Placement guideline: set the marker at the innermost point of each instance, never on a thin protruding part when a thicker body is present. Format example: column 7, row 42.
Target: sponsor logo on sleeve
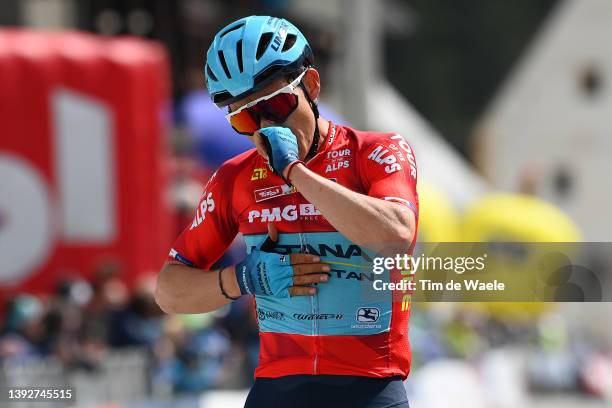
column 175, row 255
column 403, row 144
column 402, row 201
column 387, row 156
column 207, row 205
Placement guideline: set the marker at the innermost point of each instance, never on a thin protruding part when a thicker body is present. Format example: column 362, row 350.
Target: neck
column 315, row 145
column 323, row 125
column 323, row 128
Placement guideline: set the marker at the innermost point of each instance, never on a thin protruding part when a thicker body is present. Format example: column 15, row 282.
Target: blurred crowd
column 82, row 322
column 505, row 352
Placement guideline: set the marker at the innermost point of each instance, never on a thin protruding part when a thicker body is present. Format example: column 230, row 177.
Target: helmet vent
column 223, row 64
column 239, row 54
column 229, row 30
column 289, row 42
column 264, row 41
column 210, row 73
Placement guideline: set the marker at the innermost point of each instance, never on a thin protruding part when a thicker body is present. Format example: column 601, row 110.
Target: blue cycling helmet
column 250, row 53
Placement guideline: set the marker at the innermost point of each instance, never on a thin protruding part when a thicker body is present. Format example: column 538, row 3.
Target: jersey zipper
column 314, row 300
column 315, row 328
column 314, row 306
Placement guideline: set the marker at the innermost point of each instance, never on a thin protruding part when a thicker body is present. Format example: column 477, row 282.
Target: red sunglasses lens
column 278, row 108
column 244, row 122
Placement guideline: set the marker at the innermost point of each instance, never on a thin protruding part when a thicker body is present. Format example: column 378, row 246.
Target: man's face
column 301, row 121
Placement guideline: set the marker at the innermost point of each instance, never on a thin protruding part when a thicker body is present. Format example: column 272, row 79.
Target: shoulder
column 222, row 184
column 367, row 142
column 232, row 169
column 384, row 152
column 370, row 139
column 218, row 192
column 242, row 161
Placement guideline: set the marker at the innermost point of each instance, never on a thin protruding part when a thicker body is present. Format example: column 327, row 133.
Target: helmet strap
column 314, row 145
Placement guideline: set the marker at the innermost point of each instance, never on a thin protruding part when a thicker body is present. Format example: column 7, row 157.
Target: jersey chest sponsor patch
column 337, row 160
column 292, row 212
column 268, row 193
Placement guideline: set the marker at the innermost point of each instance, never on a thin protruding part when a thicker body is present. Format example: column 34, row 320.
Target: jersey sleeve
column 213, row 227
column 389, row 170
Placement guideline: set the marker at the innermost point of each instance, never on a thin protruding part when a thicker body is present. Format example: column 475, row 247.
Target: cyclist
column 315, row 202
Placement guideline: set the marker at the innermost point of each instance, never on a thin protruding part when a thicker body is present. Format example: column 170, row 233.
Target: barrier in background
column 121, row 376
column 82, row 156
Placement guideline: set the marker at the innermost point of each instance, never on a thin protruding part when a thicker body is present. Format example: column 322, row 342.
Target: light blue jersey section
column 346, row 305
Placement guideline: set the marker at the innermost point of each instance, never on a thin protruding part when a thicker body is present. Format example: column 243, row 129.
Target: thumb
column 272, row 232
column 267, row 147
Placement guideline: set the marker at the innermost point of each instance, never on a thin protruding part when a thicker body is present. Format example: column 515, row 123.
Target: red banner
column 83, row 178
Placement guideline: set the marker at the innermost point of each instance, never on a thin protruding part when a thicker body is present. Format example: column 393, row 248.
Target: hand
column 270, row 274
column 281, row 147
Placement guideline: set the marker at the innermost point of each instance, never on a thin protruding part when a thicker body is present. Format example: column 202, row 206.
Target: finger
column 267, row 147
column 261, row 148
column 272, row 232
column 303, row 258
column 304, row 269
column 302, row 291
column 310, row 279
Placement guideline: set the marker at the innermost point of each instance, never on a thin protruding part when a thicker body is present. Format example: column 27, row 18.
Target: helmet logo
column 279, row 37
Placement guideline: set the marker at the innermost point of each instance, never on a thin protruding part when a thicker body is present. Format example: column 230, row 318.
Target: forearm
column 364, row 220
column 182, row 289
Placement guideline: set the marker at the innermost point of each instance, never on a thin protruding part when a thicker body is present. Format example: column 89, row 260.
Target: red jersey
column 347, row 328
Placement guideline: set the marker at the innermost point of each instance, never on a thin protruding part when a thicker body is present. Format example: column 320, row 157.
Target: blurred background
column 108, row 136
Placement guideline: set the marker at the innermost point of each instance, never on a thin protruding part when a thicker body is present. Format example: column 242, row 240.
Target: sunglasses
column 276, row 107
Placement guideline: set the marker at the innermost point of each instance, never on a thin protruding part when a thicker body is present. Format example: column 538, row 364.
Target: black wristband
column 223, row 292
